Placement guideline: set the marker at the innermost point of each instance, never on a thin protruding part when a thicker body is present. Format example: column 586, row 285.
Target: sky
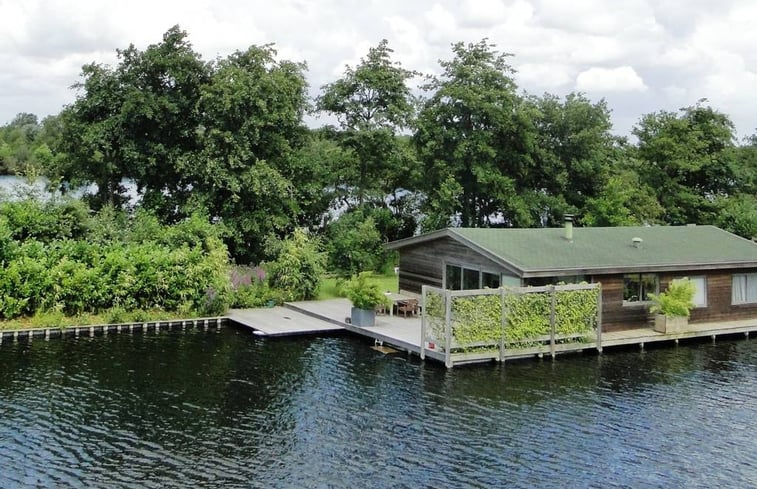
column 640, row 56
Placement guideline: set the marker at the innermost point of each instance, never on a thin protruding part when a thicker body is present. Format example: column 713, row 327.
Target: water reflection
column 207, row 409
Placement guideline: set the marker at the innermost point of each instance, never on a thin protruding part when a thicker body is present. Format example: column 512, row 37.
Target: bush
column 677, row 301
column 354, row 245
column 299, row 267
column 364, row 295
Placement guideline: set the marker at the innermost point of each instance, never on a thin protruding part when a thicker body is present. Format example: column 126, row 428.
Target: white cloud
column 620, row 79
column 685, row 49
column 482, row 13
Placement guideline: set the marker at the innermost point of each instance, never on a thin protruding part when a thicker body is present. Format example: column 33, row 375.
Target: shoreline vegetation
column 64, row 265
column 204, row 189
column 331, row 287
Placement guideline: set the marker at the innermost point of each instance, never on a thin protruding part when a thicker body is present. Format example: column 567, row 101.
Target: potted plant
column 673, row 307
column 364, row 297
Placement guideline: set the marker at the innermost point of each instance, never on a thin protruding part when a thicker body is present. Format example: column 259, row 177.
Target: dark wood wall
column 423, row 264
column 616, row 316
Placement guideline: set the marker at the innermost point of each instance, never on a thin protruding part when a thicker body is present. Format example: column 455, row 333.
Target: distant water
column 12, row 187
column 227, row 409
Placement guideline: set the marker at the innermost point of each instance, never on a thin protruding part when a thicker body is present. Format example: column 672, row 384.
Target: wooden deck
column 312, row 317
column 281, row 321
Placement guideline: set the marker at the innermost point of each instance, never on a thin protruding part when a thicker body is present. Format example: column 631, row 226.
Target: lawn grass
column 332, row 287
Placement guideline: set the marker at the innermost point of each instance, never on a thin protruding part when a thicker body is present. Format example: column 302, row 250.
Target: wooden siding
column 617, row 316
column 424, row 263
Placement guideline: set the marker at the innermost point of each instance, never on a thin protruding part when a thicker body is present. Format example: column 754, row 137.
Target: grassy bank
column 333, row 287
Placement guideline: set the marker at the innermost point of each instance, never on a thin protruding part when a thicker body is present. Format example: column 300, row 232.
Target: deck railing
column 466, row 325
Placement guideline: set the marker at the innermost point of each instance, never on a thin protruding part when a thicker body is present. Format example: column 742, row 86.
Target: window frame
column 703, row 278
column 469, row 268
column 747, row 301
column 640, row 276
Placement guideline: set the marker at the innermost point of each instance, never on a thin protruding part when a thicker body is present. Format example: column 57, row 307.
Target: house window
column 700, row 295
column 744, row 288
column 461, row 278
column 638, row 286
column 490, row 280
column 454, row 277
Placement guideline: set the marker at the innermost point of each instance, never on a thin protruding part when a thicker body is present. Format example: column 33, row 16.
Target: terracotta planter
column 670, row 324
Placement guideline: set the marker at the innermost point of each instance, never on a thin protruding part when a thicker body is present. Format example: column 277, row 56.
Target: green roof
column 544, row 251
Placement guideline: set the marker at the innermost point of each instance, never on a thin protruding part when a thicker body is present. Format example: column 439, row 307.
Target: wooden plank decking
column 312, row 317
column 281, row 321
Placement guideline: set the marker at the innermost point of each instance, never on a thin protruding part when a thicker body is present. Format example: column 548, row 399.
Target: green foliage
column 687, row 158
column 25, row 142
column 473, row 129
column 299, row 267
column 477, row 320
column 676, row 301
column 45, row 221
column 738, row 214
column 364, row 294
column 182, row 268
column 354, row 245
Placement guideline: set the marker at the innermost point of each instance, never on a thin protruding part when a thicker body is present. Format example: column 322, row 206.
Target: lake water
column 11, row 187
column 227, row 409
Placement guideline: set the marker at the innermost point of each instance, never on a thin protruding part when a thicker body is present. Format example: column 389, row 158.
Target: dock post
column 713, row 339
column 503, row 323
column 424, row 291
column 448, row 329
column 599, row 318
column 553, row 299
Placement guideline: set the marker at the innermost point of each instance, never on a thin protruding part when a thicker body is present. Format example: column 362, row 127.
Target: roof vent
column 637, row 242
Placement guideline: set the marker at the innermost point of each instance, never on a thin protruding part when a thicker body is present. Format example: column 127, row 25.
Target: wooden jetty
column 282, row 321
column 404, row 334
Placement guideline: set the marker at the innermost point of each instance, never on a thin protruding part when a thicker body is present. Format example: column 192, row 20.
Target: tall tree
column 137, row 121
column 474, row 138
column 572, row 155
column 251, row 129
column 688, row 159
column 373, row 104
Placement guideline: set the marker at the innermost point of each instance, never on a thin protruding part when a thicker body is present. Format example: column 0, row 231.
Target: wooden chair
column 408, row 306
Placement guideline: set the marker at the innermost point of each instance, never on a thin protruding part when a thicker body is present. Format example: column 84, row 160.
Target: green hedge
column 478, row 319
column 76, row 277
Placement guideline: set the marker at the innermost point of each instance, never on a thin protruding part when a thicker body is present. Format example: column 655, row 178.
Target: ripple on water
column 231, row 410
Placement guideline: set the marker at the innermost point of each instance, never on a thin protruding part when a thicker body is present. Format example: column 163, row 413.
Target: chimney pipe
column 568, row 227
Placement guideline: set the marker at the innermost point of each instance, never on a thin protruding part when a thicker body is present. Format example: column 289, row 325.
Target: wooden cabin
column 629, row 262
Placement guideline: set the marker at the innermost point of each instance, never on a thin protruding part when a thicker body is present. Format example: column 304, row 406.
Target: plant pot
column 363, row 317
column 670, row 324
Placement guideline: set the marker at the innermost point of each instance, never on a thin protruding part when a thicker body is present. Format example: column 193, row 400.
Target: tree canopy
column 227, row 138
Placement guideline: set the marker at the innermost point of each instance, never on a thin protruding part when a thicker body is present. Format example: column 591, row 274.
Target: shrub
column 299, row 267
column 364, row 295
column 677, row 301
column 354, row 245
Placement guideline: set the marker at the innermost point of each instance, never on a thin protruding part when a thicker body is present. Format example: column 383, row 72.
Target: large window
column 744, row 288
column 454, row 277
column 638, row 286
column 463, row 278
column 700, row 295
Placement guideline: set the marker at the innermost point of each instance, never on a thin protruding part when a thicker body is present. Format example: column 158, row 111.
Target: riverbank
column 92, row 330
